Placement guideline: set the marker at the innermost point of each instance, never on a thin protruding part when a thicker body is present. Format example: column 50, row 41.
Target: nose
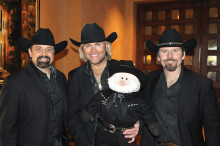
column 43, row 52
column 122, row 82
column 94, row 49
column 170, row 54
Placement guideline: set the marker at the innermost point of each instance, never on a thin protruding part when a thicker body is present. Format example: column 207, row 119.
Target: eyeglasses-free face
column 42, row 55
column 171, row 57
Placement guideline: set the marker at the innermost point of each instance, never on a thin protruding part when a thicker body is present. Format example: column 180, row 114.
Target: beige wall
column 109, row 14
column 66, row 19
column 63, row 17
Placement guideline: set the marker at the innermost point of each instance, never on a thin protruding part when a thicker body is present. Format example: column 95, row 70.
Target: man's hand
column 132, row 133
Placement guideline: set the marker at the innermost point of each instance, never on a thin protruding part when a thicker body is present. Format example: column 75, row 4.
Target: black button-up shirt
column 56, row 105
column 166, row 109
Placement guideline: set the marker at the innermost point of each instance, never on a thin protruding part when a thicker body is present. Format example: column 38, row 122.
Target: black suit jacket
column 80, row 91
column 24, row 109
column 197, row 107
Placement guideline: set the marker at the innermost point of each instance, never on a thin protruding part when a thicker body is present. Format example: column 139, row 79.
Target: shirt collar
column 88, row 69
column 180, row 76
column 42, row 74
column 163, row 82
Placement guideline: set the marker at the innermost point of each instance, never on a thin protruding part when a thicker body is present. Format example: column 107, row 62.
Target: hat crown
column 43, row 37
column 170, row 36
column 92, row 33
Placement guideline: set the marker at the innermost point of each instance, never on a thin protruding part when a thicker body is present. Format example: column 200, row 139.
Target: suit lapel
column 62, row 84
column 87, row 82
column 36, row 80
column 185, row 96
column 152, row 82
column 85, row 79
column 63, row 87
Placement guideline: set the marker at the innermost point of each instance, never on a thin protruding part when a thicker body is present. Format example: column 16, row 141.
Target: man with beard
column 33, row 100
column 183, row 101
column 85, row 81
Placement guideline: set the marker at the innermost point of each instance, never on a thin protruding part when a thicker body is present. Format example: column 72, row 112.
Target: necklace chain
column 97, row 73
column 98, row 79
column 99, row 82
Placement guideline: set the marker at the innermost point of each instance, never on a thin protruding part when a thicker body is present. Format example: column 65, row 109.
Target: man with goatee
column 183, row 101
column 33, row 100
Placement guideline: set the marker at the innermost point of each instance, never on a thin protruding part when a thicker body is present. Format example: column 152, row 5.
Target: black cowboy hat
column 128, row 67
column 41, row 37
column 94, row 33
column 171, row 38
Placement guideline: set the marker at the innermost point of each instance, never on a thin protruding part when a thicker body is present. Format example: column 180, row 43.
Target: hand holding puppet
column 120, row 107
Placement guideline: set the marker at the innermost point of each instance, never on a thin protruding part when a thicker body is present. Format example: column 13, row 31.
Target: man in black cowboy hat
column 33, row 101
column 85, row 81
column 183, row 101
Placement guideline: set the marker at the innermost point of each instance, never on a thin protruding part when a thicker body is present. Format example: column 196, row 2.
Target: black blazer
column 24, row 109
column 80, row 91
column 197, row 107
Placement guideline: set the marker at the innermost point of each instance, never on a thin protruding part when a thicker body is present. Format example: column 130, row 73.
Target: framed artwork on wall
column 37, row 26
column 17, row 18
column 30, row 23
column 30, row 17
column 0, row 20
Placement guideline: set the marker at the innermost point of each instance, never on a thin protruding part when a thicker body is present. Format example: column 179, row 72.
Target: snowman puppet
column 120, row 107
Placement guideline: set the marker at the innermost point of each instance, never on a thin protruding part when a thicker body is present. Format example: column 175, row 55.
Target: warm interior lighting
column 203, row 132
column 148, row 58
column 211, row 60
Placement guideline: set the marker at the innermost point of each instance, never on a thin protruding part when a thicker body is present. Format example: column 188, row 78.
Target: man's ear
column 183, row 55
column 29, row 52
column 158, row 58
column 158, row 55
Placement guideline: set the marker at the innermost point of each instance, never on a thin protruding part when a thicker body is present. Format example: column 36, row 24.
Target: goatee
column 169, row 67
column 43, row 64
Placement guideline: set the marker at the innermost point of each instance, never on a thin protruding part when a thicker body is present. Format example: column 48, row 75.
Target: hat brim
column 25, row 44
column 188, row 45
column 111, row 38
column 152, row 46
column 75, row 42
column 60, row 46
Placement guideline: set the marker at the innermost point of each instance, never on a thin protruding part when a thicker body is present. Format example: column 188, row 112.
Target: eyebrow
column 50, row 47
column 173, row 48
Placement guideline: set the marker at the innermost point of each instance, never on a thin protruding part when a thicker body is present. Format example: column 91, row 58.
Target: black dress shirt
column 56, row 104
column 165, row 102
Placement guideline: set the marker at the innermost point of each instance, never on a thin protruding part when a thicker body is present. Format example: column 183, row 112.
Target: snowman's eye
column 126, row 78
column 121, row 77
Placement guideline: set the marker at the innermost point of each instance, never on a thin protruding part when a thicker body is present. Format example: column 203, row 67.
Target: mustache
column 43, row 57
column 170, row 60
